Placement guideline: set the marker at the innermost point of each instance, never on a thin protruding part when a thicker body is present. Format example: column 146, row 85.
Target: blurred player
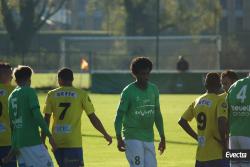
column 5, row 130
column 210, row 112
column 26, row 118
column 227, row 79
column 67, row 103
column 139, row 109
column 239, row 118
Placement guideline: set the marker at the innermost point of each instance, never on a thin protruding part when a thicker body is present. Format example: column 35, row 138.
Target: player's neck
column 142, row 86
column 213, row 91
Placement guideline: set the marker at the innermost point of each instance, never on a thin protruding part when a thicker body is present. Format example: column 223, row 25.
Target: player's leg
column 217, row 163
column 37, row 156
column 149, row 154
column 244, row 143
column 234, row 145
column 4, row 150
column 135, row 153
column 73, row 157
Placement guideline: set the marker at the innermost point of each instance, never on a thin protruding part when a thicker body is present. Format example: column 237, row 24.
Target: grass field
column 180, row 150
column 40, row 80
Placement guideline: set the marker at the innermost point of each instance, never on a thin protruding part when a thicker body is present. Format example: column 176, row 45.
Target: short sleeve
column 87, row 104
column 33, row 100
column 189, row 113
column 124, row 102
column 47, row 109
column 157, row 99
column 222, row 108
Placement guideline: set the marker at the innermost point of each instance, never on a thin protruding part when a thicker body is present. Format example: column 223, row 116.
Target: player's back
column 239, row 107
column 66, row 104
column 5, row 131
column 22, row 103
column 205, row 113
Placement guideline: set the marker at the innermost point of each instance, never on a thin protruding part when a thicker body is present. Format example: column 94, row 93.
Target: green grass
column 180, row 151
column 40, row 80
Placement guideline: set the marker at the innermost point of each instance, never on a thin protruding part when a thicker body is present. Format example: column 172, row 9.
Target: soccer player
column 227, row 79
column 26, row 118
column 210, row 112
column 66, row 104
column 138, row 111
column 5, row 130
column 239, row 118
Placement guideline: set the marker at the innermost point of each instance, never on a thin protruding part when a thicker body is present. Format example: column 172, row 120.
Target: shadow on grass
column 168, row 141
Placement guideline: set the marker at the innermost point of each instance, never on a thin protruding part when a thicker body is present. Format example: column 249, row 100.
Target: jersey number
column 65, row 106
column 1, row 109
column 202, row 121
column 242, row 94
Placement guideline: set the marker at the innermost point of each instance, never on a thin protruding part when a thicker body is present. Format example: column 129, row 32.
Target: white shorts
column 140, row 154
column 239, row 143
column 34, row 156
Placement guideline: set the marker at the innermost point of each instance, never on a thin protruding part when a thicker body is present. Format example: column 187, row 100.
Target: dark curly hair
column 140, row 63
column 212, row 81
column 65, row 74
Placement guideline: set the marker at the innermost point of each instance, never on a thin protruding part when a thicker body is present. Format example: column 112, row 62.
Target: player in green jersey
column 138, row 111
column 227, row 79
column 239, row 118
column 5, row 130
column 66, row 105
column 25, row 119
column 210, row 112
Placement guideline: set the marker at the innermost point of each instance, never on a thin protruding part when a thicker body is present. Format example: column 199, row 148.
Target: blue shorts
column 72, row 157
column 4, row 150
column 213, row 163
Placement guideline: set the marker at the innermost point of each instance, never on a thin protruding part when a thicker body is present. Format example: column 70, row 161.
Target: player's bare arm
column 95, row 121
column 162, row 145
column 222, row 125
column 185, row 125
column 47, row 120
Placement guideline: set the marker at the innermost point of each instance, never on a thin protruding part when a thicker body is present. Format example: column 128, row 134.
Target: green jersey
column 25, row 118
column 239, row 108
column 139, row 110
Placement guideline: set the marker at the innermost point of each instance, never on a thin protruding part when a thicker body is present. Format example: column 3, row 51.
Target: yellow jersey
column 5, row 130
column 66, row 104
column 206, row 109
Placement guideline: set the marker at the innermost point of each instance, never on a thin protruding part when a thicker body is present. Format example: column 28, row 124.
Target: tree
column 23, row 18
column 182, row 16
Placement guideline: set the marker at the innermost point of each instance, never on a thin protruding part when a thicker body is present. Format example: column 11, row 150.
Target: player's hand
column 121, row 145
column 52, row 143
column 162, row 145
column 108, row 138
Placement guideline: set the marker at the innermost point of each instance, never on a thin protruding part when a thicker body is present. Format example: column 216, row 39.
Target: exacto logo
column 237, row 154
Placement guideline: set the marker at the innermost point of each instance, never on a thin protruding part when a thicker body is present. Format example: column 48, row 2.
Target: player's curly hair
column 5, row 66
column 140, row 63
column 212, row 81
column 23, row 73
column 65, row 74
column 230, row 74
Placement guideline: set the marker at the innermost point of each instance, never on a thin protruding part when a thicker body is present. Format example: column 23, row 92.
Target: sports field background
column 180, row 151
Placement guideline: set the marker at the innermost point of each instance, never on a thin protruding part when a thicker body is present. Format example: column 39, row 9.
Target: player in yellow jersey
column 5, row 130
column 211, row 118
column 66, row 104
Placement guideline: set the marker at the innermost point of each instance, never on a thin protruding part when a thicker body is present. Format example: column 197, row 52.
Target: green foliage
column 114, row 14
column 138, row 17
column 22, row 19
